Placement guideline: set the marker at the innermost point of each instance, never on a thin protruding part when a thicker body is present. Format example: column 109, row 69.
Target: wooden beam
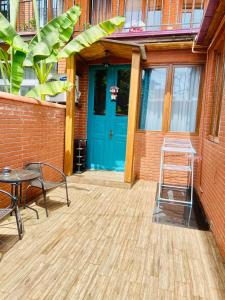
column 70, row 111
column 132, row 115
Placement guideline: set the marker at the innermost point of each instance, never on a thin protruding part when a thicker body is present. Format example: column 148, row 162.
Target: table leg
column 26, row 205
column 17, row 187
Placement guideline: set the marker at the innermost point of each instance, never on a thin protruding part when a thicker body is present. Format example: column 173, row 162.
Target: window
column 218, row 91
column 192, row 13
column 154, row 15
column 43, row 12
column 133, row 15
column 170, row 98
column 186, row 82
column 4, row 8
column 142, row 15
column 29, row 80
column 57, row 8
column 100, row 10
column 153, row 91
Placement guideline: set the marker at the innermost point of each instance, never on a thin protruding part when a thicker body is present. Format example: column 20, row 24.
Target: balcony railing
column 141, row 15
column 145, row 15
column 26, row 21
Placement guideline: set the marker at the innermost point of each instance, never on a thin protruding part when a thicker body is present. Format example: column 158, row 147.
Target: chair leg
column 19, row 223
column 45, row 202
column 67, row 195
column 25, row 197
column 26, row 205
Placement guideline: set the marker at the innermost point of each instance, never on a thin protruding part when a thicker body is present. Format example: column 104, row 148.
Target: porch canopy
column 108, row 49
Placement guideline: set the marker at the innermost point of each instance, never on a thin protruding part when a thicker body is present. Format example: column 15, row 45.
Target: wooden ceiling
column 113, row 48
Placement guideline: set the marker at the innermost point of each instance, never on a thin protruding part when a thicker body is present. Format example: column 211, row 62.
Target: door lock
column 110, row 134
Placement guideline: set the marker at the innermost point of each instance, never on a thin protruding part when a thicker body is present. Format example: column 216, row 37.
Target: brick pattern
column 30, row 131
column 211, row 185
column 81, row 109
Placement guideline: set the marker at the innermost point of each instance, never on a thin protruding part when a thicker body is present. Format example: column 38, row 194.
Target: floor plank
column 105, row 246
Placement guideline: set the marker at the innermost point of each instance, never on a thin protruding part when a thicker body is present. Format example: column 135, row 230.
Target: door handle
column 110, row 134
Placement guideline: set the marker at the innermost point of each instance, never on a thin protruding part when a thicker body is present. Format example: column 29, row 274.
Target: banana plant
column 52, row 43
column 11, row 61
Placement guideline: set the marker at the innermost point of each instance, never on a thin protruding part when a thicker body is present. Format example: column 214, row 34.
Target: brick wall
column 211, row 186
column 30, row 131
column 147, row 156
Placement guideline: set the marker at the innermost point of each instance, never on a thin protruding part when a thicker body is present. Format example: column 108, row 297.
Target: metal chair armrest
column 56, row 169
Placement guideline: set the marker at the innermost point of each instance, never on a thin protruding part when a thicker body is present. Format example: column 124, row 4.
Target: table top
column 18, row 176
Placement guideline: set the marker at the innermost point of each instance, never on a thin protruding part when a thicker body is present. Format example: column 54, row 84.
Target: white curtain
column 185, row 98
column 153, row 92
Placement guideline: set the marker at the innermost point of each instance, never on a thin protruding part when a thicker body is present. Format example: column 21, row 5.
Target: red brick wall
column 147, row 156
column 211, row 187
column 30, row 131
column 82, row 107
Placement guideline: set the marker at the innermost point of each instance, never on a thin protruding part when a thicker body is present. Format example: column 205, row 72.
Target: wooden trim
column 49, row 10
column 200, row 100
column 132, row 115
column 70, row 111
column 168, row 100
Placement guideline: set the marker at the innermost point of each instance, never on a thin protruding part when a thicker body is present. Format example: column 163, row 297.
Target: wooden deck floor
column 105, row 246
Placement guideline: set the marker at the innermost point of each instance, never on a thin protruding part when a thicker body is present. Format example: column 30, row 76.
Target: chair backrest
column 37, row 167
column 2, row 202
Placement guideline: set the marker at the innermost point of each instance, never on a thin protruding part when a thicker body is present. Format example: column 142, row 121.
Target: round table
column 16, row 179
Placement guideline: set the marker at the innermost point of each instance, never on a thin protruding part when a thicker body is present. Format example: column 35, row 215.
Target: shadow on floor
column 180, row 215
column 7, row 241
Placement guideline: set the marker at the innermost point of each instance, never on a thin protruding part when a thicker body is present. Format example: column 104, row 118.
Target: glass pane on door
column 122, row 101
column 100, row 92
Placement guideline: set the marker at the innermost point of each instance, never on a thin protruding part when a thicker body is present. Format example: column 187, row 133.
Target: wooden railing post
column 70, row 111
column 132, row 115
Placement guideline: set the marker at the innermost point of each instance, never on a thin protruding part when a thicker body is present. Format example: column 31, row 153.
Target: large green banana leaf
column 50, row 88
column 45, row 47
column 14, row 6
column 63, row 25
column 5, row 66
column 17, row 71
column 10, row 36
column 90, row 36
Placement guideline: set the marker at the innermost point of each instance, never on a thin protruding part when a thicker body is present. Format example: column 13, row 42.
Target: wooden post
column 132, row 115
column 70, row 111
column 50, row 10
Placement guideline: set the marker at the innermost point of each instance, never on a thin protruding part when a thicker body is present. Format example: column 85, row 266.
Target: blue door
column 107, row 119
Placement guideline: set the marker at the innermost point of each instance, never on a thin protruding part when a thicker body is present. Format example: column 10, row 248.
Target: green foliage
column 50, row 88
column 50, row 44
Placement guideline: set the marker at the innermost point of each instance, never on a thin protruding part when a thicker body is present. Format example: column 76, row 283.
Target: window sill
column 179, row 133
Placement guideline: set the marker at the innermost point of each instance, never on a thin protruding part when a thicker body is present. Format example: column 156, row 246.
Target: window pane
column 218, row 92
column 185, row 99
column 100, row 92
column 153, row 91
column 123, row 83
column 25, row 89
column 133, row 15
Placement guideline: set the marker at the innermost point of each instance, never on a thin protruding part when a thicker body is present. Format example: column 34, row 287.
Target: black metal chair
column 43, row 184
column 8, row 210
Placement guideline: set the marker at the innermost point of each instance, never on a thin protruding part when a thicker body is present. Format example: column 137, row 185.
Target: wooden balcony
column 48, row 9
column 141, row 15
column 145, row 15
